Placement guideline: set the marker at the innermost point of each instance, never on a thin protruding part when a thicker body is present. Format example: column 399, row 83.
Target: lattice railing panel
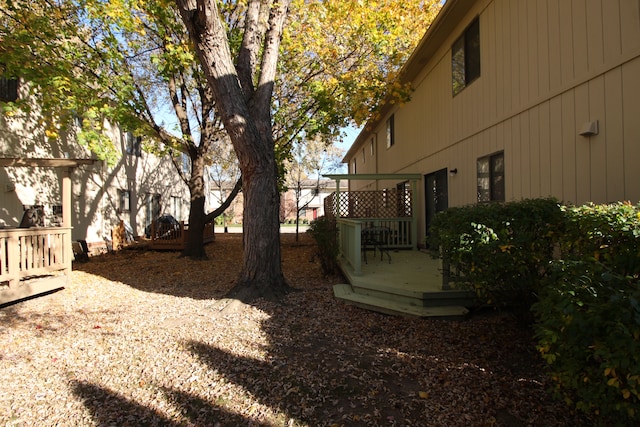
column 369, row 204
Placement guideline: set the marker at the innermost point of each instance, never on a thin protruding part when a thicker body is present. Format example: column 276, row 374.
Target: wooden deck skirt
column 33, row 260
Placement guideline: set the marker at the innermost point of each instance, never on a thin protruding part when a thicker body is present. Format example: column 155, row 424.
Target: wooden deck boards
column 411, row 284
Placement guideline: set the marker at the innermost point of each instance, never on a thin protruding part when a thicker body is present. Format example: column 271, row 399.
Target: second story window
column 133, row 144
column 186, row 163
column 465, row 57
column 8, row 89
column 390, row 132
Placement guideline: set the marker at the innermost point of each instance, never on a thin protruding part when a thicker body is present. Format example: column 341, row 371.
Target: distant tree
column 127, row 62
column 306, row 164
column 223, row 173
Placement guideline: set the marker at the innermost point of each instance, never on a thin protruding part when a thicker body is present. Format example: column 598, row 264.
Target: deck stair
column 411, row 285
column 399, row 304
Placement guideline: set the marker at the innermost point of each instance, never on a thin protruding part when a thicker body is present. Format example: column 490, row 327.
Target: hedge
column 588, row 326
column 500, row 250
column 574, row 272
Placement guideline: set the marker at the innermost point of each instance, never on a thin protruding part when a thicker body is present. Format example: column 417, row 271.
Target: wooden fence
column 171, row 237
column 27, row 254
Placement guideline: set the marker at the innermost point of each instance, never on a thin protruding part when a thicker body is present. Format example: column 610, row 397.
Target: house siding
column 547, row 67
column 95, row 199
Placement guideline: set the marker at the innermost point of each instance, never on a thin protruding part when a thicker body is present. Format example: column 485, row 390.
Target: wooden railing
column 31, row 252
column 169, row 237
column 399, row 236
column 400, row 231
column 350, row 235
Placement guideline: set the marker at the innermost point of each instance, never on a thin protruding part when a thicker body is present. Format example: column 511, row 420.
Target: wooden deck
column 175, row 239
column 411, row 285
column 33, row 261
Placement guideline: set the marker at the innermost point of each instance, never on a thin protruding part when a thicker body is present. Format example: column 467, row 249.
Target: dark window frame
column 491, row 178
column 9, row 89
column 391, row 130
column 124, row 201
column 465, row 57
column 133, row 144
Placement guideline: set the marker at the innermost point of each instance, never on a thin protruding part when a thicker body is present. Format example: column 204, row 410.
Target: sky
column 351, row 135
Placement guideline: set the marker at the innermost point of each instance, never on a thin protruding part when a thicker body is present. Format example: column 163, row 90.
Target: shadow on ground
column 325, row 363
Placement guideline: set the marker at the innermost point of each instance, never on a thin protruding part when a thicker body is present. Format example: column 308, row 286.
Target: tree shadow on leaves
column 110, row 409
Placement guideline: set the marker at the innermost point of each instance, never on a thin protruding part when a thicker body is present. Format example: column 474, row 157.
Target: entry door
column 436, row 194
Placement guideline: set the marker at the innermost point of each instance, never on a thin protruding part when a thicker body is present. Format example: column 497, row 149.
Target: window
column 133, row 144
column 364, row 157
column 353, row 167
column 56, row 212
column 124, row 201
column 186, row 163
column 491, row 178
column 371, row 145
column 390, row 132
column 152, row 207
column 465, row 57
column 8, row 89
column 176, row 207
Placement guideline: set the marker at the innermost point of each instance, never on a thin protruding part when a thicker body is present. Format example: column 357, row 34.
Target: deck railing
column 390, row 209
column 170, row 237
column 350, row 235
column 31, row 252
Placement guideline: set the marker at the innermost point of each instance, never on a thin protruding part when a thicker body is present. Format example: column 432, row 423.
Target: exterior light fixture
column 453, row 172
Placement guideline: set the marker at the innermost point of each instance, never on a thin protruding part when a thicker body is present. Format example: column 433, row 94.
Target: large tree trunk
column 261, row 274
column 245, row 112
column 194, row 247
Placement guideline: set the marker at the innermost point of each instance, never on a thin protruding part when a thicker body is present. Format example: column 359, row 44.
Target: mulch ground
column 142, row 338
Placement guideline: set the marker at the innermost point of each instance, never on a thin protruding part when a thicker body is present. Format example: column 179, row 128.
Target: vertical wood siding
column 547, row 67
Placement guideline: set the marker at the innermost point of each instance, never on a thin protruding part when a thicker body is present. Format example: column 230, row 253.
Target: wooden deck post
column 13, row 260
column 414, row 213
column 66, row 218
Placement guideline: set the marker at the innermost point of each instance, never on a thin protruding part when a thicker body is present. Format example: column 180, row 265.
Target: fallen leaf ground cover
column 142, row 338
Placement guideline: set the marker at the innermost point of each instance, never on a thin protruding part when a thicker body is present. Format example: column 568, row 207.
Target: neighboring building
column 217, row 193
column 136, row 190
column 512, row 100
column 311, row 195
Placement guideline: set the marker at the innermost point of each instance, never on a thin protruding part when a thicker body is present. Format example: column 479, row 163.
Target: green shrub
column 579, row 269
column 588, row 327
column 588, row 331
column 325, row 232
column 501, row 250
column 609, row 234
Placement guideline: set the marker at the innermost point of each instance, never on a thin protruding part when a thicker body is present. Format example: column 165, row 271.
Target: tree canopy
column 340, row 60
column 274, row 73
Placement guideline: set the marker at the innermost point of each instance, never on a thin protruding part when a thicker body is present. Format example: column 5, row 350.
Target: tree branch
column 223, row 207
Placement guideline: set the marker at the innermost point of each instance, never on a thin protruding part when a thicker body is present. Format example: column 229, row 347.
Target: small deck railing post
column 14, row 259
